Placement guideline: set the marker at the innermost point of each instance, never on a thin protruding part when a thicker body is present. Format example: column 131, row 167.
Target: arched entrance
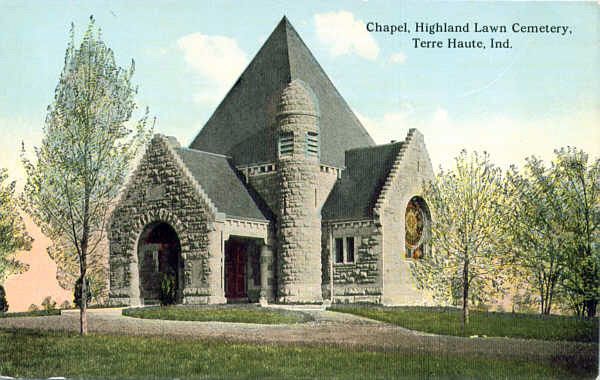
column 159, row 258
column 417, row 226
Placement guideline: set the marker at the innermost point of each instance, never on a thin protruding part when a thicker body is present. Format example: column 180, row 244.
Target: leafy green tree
column 3, row 302
column 13, row 234
column 467, row 232
column 538, row 216
column 48, row 304
column 579, row 189
column 88, row 145
column 67, row 267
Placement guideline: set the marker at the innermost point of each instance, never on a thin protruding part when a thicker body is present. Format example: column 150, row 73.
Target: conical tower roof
column 242, row 126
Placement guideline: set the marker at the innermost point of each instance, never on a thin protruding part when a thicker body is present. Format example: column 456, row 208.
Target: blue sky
column 541, row 94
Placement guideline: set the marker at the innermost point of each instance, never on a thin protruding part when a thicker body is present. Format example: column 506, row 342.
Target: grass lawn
column 221, row 313
column 41, row 355
column 447, row 321
column 37, row 313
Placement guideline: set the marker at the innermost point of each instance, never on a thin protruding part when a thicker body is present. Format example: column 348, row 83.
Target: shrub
column 65, row 305
column 33, row 307
column 48, row 304
column 77, row 293
column 168, row 289
column 3, row 303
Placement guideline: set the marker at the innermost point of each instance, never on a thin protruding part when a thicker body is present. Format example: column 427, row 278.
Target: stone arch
column 417, row 228
column 138, row 229
column 159, row 255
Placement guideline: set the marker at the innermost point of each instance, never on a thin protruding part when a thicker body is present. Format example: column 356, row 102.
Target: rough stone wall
column 160, row 191
column 409, row 172
column 360, row 281
column 299, row 223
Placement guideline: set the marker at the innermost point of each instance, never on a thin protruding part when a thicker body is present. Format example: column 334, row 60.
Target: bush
column 77, row 293
column 33, row 307
column 168, row 289
column 48, row 304
column 3, row 303
column 65, row 305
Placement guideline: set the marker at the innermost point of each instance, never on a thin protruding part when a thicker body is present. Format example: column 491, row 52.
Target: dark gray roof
column 354, row 195
column 242, row 125
column 221, row 183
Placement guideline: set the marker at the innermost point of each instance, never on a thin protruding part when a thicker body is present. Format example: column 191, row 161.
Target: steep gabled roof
column 221, row 183
column 243, row 124
column 354, row 195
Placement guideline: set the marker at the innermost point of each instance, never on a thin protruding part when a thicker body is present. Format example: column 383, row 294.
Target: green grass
column 221, row 313
column 41, row 355
column 37, row 313
column 447, row 321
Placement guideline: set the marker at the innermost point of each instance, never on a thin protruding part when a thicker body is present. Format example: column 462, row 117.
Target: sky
column 542, row 93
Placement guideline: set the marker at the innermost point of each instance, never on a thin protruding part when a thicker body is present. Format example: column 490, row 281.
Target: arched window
column 417, row 226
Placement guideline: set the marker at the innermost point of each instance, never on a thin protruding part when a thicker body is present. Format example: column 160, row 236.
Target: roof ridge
column 375, row 146
column 204, row 152
column 240, row 126
column 318, row 64
column 393, row 174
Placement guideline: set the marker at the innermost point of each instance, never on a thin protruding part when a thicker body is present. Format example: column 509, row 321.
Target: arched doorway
column 417, row 226
column 159, row 257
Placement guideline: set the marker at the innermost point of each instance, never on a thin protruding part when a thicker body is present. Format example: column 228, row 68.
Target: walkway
column 328, row 328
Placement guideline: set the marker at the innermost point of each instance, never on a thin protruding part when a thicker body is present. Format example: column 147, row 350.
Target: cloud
column 342, row 34
column 398, row 58
column 509, row 140
column 217, row 60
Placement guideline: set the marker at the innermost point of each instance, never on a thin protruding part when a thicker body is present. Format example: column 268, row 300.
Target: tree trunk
column 83, row 325
column 465, row 316
column 590, row 308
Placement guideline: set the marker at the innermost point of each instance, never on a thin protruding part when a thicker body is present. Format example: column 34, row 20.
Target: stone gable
column 160, row 191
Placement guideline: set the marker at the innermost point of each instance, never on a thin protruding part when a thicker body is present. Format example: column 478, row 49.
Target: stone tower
column 299, row 222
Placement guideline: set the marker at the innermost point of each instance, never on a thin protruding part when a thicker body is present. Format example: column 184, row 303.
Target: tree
column 579, row 189
column 13, row 234
column 86, row 151
column 67, row 267
column 3, row 302
column 538, row 217
column 467, row 232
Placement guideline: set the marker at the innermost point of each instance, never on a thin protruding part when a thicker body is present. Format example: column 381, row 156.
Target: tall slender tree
column 538, row 217
column 467, row 232
column 88, row 145
column 579, row 189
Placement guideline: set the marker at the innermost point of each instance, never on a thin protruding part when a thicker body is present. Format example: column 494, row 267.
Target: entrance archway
column 159, row 256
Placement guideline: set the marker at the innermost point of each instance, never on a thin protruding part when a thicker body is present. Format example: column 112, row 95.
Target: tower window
column 286, row 144
column 312, row 144
column 339, row 250
column 350, row 249
column 345, row 250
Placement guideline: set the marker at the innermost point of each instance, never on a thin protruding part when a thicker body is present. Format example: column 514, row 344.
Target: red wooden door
column 235, row 275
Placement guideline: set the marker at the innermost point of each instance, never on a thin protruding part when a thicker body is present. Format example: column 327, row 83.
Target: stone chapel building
column 282, row 197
